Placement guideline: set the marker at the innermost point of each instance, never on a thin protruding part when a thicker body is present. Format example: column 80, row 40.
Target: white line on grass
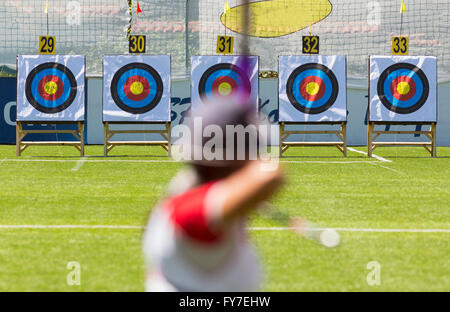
column 378, row 165
column 373, row 155
column 355, row 230
column 136, row 227
column 86, row 160
column 79, row 164
column 92, row 160
column 115, row 227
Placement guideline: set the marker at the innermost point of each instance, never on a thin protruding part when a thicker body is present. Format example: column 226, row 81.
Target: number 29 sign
column 46, row 45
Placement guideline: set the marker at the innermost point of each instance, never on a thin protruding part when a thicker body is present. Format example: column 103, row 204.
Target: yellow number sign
column 46, row 45
column 225, row 45
column 137, row 44
column 400, row 46
column 311, row 44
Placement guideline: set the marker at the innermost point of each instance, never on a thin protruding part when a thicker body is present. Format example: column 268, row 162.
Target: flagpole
column 401, row 24
column 402, row 9
column 46, row 12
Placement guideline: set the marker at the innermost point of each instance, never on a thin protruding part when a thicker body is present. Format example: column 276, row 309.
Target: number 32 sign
column 310, row 44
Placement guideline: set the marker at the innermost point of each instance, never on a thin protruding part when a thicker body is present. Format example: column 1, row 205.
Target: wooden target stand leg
column 373, row 134
column 109, row 133
column 341, row 133
column 23, row 145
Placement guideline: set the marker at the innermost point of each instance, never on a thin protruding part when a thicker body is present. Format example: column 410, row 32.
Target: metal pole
column 186, row 24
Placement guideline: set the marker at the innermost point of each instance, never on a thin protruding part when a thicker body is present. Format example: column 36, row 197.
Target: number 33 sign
column 400, row 45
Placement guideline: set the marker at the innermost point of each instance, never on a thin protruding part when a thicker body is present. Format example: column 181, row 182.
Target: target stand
column 23, row 145
column 50, row 91
column 402, row 91
column 373, row 134
column 136, row 91
column 109, row 145
column 312, row 91
column 341, row 133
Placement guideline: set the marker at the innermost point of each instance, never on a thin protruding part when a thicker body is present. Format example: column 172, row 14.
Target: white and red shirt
column 184, row 252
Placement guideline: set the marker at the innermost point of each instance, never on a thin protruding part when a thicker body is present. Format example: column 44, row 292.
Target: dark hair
column 223, row 115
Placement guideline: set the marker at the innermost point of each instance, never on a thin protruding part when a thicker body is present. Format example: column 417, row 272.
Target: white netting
column 183, row 28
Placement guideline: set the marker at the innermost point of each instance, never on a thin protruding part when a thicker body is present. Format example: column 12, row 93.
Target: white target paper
column 403, row 89
column 220, row 78
column 50, row 88
column 312, row 88
column 136, row 88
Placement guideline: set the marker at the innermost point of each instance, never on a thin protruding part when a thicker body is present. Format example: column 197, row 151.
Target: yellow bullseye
column 312, row 88
column 403, row 88
column 51, row 88
column 137, row 88
column 225, row 89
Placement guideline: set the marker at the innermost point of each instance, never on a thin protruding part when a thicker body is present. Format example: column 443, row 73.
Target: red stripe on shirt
column 188, row 213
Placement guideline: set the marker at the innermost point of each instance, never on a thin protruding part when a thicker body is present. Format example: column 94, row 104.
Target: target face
column 312, row 88
column 51, row 88
column 224, row 82
column 137, row 88
column 403, row 88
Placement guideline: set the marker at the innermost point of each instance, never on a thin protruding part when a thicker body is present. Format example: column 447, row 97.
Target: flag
column 138, row 8
column 227, row 7
column 403, row 9
column 46, row 8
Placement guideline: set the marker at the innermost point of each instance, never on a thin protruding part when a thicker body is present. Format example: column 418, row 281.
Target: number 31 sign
column 225, row 45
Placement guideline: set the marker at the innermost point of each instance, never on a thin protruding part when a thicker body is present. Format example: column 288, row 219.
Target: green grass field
column 48, row 186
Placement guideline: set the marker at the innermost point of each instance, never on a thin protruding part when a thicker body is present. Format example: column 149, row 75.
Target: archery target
column 137, row 88
column 222, row 79
column 402, row 89
column 312, row 88
column 53, row 88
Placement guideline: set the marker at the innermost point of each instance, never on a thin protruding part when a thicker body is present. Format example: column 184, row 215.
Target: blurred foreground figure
column 196, row 238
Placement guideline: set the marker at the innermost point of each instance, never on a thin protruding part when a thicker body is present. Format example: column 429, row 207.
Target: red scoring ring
column 412, row 88
column 138, row 97
column 45, row 95
column 222, row 79
column 315, row 97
